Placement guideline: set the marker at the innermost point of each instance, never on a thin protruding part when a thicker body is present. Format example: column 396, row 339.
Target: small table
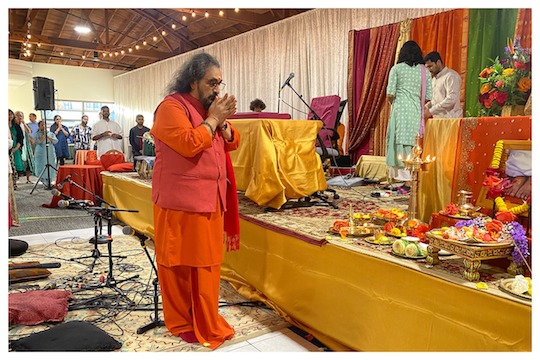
column 472, row 255
column 87, row 176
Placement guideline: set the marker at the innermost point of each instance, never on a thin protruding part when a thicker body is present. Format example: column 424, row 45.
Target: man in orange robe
column 189, row 191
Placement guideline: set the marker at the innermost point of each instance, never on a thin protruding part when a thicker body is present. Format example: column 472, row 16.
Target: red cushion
column 110, row 159
column 92, row 162
column 122, row 167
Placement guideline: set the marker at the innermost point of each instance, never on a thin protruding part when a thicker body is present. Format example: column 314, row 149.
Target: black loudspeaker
column 43, row 93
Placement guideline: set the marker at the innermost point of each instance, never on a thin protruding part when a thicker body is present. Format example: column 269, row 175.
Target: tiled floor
column 283, row 340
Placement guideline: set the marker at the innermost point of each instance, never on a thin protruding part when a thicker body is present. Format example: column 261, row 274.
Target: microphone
column 57, row 192
column 127, row 230
column 291, row 75
column 61, row 185
column 36, row 266
column 72, row 202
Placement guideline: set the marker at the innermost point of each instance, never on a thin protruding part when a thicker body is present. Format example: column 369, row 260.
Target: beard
column 207, row 101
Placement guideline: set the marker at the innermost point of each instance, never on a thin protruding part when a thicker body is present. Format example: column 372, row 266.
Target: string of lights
column 136, row 44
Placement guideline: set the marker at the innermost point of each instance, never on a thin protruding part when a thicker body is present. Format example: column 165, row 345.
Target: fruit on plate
column 399, row 247
column 411, row 250
column 383, row 240
column 392, row 214
column 520, row 285
column 397, row 232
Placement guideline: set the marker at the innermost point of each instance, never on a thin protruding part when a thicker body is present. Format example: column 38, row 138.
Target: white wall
column 75, row 83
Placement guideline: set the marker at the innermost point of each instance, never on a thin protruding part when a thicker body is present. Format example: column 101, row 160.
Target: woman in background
column 62, row 134
column 41, row 154
column 27, row 154
column 13, row 214
column 404, row 92
column 15, row 152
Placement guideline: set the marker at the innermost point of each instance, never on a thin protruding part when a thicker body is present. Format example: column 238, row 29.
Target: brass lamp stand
column 415, row 165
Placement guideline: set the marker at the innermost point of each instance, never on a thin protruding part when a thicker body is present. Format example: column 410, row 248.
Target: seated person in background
column 519, row 169
column 257, row 105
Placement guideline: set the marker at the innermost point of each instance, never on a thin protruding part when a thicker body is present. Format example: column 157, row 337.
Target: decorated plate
column 473, row 242
column 441, row 252
column 461, row 217
column 389, row 219
column 395, row 236
column 371, row 240
column 410, row 258
column 331, row 230
column 506, row 286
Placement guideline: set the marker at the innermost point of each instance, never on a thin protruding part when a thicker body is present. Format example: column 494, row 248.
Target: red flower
column 494, row 193
column 505, row 216
column 499, row 83
column 491, row 182
column 519, row 65
column 492, row 171
column 487, row 103
column 502, row 97
column 493, row 95
column 482, row 98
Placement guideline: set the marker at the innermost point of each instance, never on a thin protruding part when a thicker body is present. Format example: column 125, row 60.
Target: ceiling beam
column 86, row 14
column 243, row 16
column 212, row 29
column 85, row 45
column 107, row 26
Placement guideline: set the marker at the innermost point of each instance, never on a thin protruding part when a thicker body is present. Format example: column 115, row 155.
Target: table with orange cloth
column 83, row 155
column 464, row 150
column 276, row 160
column 87, row 176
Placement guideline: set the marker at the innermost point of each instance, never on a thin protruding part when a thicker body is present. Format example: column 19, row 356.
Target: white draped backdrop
column 313, row 45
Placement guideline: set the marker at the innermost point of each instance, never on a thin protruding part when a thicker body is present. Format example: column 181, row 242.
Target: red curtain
column 358, row 54
column 447, row 33
column 382, row 48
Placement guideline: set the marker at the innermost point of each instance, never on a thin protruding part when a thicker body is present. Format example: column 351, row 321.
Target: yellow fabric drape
column 351, row 300
column 133, row 196
column 435, row 189
column 277, row 161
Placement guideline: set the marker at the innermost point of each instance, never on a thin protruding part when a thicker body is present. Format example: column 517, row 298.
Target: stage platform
column 348, row 293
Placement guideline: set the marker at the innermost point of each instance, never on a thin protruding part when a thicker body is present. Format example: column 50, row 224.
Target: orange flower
column 505, row 216
column 524, row 84
column 485, row 73
column 494, row 226
column 485, row 88
column 492, row 182
column 508, row 72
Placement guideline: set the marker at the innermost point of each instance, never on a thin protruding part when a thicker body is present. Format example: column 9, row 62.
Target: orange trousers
column 190, row 297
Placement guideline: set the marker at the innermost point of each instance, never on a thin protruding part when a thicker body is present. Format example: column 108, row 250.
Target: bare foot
column 16, row 225
column 525, row 190
column 516, row 184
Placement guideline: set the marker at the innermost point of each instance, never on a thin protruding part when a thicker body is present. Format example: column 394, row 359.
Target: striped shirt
column 81, row 137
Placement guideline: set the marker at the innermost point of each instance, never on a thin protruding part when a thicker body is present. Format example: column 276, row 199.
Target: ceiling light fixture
column 220, row 12
column 193, row 14
column 144, row 42
column 82, row 29
column 137, row 47
column 206, row 14
column 154, row 38
column 122, row 52
column 184, row 18
column 173, row 26
column 39, row 44
column 84, row 57
column 236, row 10
column 61, row 53
column 130, row 49
column 163, row 33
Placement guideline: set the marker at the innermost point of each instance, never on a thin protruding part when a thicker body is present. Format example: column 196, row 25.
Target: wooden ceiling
column 126, row 39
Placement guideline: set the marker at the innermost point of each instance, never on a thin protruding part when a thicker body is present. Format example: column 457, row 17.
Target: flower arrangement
column 506, row 82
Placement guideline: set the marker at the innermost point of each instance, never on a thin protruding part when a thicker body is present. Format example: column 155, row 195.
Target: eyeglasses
column 214, row 84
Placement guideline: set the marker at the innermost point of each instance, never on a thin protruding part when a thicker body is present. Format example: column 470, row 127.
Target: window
column 72, row 111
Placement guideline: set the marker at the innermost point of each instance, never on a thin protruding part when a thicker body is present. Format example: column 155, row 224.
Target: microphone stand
column 317, row 194
column 47, row 165
column 98, row 238
column 155, row 322
column 110, row 281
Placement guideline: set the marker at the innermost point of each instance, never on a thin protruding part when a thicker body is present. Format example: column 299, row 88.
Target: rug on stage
column 247, row 321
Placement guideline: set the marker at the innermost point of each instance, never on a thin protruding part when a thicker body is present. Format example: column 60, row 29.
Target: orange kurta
column 189, row 245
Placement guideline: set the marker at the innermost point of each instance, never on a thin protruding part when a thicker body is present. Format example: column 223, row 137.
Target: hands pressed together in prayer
column 219, row 111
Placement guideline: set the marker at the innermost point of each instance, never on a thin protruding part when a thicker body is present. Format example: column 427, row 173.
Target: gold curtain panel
column 277, row 161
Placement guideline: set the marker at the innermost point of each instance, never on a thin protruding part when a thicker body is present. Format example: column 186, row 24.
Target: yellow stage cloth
column 435, row 187
column 372, row 167
column 351, row 300
column 277, row 161
column 348, row 299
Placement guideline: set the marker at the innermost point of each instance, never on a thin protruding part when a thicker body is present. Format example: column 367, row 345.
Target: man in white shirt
column 446, row 88
column 107, row 134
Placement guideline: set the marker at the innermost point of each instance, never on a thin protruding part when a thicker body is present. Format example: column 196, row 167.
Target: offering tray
column 506, row 286
column 462, row 216
column 357, row 231
column 472, row 254
column 409, row 257
column 371, row 240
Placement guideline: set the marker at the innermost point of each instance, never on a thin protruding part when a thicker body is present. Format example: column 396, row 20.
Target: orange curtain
column 524, row 28
column 382, row 49
column 446, row 33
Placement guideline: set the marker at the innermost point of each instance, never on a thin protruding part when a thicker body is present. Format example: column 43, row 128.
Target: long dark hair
column 410, row 54
column 10, row 112
column 194, row 69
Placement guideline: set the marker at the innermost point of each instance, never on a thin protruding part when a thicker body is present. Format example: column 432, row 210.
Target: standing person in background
column 446, row 84
column 193, row 190
column 33, row 125
column 107, row 134
column 257, row 105
column 13, row 213
column 404, row 92
column 41, row 154
column 27, row 154
column 18, row 141
column 62, row 134
column 135, row 136
column 81, row 135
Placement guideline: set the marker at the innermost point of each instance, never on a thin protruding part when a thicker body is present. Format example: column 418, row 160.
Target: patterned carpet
column 248, row 321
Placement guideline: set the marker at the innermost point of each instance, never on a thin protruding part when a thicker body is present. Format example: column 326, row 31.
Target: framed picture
column 516, row 161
